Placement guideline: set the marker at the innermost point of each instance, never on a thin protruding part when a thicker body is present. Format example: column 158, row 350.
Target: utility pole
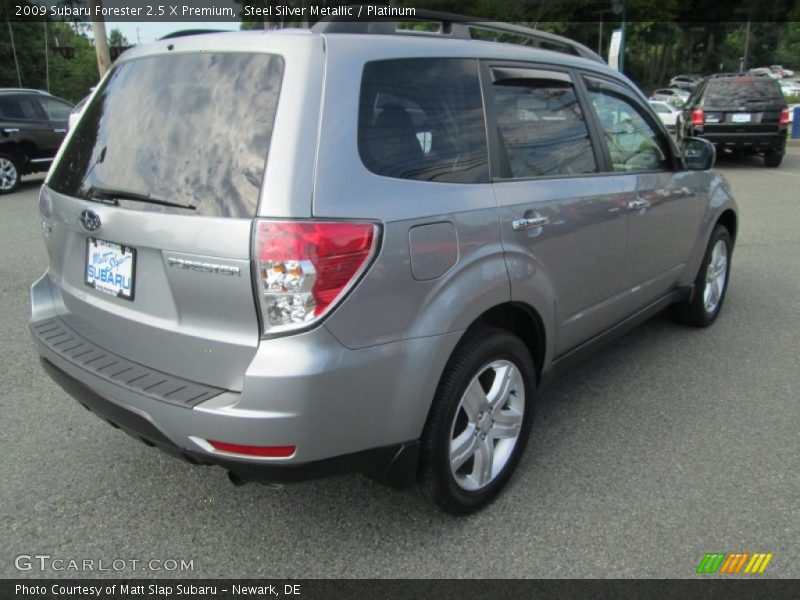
column 100, row 40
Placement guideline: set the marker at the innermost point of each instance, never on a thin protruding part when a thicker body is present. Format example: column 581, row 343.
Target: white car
column 674, row 96
column 790, row 88
column 77, row 110
column 667, row 113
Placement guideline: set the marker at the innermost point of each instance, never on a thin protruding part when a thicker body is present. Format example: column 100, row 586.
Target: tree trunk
column 100, row 41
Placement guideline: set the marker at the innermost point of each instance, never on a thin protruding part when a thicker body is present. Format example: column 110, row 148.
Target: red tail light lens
column 784, row 117
column 264, row 451
column 305, row 267
column 697, row 117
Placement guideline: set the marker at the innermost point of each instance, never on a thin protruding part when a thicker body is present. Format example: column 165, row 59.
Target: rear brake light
column 697, row 117
column 303, row 268
column 784, row 117
column 265, row 451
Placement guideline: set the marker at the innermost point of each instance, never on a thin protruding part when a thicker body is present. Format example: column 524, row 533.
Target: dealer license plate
column 110, row 268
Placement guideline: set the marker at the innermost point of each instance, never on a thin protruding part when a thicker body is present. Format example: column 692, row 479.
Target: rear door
column 742, row 105
column 562, row 221
column 153, row 200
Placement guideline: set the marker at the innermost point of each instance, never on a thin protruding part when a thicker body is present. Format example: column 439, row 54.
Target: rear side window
column 741, row 91
column 18, row 108
column 189, row 129
column 55, row 109
column 423, row 119
column 542, row 128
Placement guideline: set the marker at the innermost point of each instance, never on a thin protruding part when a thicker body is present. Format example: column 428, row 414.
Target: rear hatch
column 153, row 200
column 743, row 105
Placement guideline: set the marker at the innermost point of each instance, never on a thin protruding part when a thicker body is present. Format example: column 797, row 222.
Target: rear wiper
column 105, row 194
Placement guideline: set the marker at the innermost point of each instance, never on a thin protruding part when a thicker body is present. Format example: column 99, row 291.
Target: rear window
column 189, row 129
column 739, row 91
column 423, row 119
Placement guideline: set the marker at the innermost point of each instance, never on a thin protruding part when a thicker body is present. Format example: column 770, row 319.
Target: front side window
column 632, row 143
column 542, row 128
column 422, row 119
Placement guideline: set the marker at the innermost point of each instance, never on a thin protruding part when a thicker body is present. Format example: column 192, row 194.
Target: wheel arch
column 522, row 320
column 729, row 220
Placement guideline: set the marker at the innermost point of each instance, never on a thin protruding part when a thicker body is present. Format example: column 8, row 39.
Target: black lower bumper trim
column 394, row 465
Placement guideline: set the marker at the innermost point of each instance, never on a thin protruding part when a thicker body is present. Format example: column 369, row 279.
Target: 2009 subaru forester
column 354, row 249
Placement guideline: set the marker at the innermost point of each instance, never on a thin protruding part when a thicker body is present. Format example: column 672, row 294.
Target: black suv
column 738, row 113
column 32, row 126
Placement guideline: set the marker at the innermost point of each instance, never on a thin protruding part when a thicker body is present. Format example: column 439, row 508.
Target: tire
column 710, row 285
column 10, row 173
column 772, row 159
column 494, row 423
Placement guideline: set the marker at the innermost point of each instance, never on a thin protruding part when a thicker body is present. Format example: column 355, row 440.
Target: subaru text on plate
column 356, row 249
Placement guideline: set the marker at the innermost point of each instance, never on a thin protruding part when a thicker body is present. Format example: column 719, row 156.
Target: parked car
column 790, row 88
column 32, row 126
column 739, row 113
column 686, row 82
column 77, row 110
column 667, row 113
column 270, row 281
column 674, row 96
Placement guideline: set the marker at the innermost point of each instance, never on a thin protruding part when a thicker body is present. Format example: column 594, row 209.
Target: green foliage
column 115, row 38
column 70, row 78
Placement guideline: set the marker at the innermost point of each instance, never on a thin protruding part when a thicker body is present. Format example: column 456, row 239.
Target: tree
column 117, row 40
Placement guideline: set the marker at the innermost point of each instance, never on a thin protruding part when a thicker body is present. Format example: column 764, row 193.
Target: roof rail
column 27, row 90
column 455, row 27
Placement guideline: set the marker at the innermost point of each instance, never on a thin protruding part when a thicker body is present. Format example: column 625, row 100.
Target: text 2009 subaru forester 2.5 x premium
column 299, row 253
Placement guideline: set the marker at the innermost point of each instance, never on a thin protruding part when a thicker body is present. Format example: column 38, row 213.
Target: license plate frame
column 741, row 117
column 119, row 261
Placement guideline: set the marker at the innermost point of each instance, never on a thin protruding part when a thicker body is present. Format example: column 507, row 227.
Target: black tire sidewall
column 720, row 233
column 15, row 161
column 437, row 481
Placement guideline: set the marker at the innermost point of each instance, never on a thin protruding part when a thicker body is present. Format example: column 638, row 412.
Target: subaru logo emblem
column 90, row 220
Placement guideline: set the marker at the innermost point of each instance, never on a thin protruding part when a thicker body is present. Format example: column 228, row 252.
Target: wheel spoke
column 474, row 400
column 507, row 424
column 484, row 457
column 463, row 447
column 500, row 386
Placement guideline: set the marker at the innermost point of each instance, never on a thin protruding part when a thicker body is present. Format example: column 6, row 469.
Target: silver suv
column 353, row 249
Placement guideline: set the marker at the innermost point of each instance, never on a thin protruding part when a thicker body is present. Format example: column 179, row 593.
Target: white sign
column 613, row 49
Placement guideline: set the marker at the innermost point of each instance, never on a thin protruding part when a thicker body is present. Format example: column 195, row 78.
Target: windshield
column 191, row 129
column 740, row 91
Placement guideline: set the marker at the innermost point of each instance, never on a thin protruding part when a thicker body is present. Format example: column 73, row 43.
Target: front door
column 563, row 223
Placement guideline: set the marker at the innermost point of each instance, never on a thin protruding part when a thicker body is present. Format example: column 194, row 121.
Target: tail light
column 784, row 117
column 304, row 268
column 697, row 117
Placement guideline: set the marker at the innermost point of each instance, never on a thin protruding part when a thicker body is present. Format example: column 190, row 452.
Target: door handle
column 529, row 223
column 638, row 204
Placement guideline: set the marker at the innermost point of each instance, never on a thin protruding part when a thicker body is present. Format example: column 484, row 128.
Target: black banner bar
column 397, row 589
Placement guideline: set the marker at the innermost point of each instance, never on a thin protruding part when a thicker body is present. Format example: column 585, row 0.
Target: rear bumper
column 343, row 409
column 394, row 465
column 739, row 140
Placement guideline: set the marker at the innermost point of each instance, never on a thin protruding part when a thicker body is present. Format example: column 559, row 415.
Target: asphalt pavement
column 670, row 443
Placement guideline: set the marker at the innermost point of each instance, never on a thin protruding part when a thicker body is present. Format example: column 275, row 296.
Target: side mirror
column 678, row 103
column 698, row 154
